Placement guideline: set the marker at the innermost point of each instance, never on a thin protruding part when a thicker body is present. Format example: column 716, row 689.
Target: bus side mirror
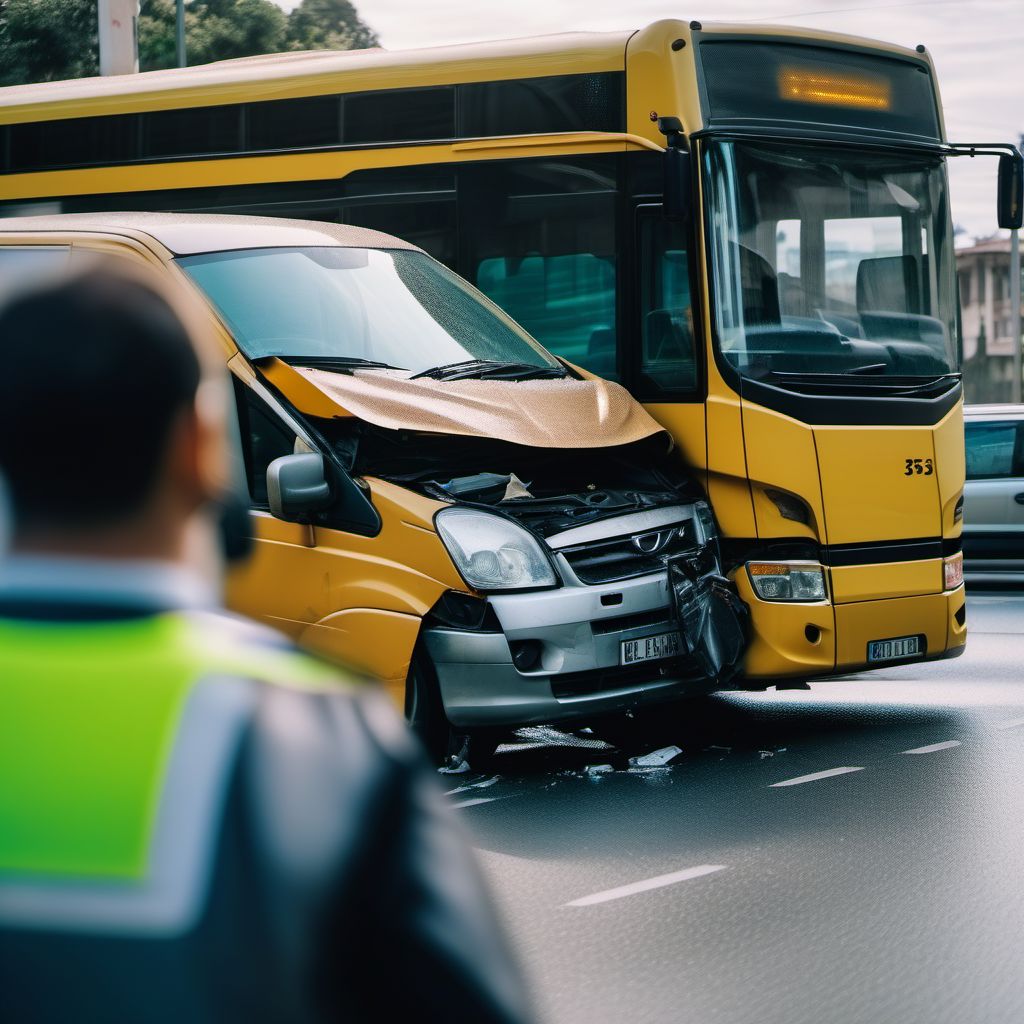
column 1010, row 201
column 297, row 486
column 677, row 189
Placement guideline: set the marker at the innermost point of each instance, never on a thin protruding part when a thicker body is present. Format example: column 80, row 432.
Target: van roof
column 187, row 233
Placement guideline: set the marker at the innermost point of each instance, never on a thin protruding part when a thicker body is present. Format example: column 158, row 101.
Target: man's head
column 104, row 446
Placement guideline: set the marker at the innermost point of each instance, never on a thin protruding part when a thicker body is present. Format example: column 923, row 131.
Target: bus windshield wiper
column 481, row 368
column 338, row 364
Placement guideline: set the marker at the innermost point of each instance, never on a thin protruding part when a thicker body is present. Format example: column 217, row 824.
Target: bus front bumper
column 797, row 640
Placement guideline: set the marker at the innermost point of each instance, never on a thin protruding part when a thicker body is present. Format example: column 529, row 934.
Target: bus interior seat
column 888, row 284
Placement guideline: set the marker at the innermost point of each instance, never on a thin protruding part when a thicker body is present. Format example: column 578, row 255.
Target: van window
column 264, row 438
column 993, row 450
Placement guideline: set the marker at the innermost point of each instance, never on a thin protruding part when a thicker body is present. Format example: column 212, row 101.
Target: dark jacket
column 205, row 825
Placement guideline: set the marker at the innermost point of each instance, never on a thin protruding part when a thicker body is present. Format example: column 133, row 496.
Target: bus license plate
column 650, row 648
column 890, row 650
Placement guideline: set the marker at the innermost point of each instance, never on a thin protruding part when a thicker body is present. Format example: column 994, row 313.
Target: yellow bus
column 748, row 227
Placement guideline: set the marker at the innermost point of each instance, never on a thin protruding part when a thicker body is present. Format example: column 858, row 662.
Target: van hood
column 564, row 413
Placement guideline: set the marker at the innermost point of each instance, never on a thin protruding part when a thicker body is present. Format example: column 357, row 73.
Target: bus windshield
column 389, row 308
column 831, row 261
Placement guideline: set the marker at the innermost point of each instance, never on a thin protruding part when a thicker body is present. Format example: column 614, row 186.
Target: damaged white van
column 499, row 536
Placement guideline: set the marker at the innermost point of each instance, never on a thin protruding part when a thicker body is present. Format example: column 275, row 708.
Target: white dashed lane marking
column 815, row 776
column 932, row 747
column 1013, row 723
column 475, row 803
column 649, row 883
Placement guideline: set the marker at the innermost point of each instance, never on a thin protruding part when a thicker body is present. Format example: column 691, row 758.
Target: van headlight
column 781, row 581
column 493, row 553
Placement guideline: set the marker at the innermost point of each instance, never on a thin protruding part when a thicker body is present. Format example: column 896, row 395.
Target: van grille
column 623, row 558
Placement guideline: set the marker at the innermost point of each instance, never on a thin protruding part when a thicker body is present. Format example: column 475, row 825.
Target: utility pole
column 1015, row 312
column 118, row 32
column 180, row 9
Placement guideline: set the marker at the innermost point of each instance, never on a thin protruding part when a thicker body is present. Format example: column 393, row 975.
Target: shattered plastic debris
column 483, row 784
column 656, row 758
column 460, row 767
column 599, row 769
column 766, row 753
column 516, row 489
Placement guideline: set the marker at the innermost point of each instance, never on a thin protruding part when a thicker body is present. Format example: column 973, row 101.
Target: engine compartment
column 548, row 490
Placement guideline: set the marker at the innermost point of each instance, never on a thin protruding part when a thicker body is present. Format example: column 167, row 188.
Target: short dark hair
column 94, row 370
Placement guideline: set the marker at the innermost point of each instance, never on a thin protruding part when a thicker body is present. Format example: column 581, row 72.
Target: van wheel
column 424, row 710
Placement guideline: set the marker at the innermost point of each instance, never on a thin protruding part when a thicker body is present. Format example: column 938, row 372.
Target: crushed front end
column 628, row 609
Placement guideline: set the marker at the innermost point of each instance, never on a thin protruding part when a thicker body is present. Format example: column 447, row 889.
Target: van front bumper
column 579, row 631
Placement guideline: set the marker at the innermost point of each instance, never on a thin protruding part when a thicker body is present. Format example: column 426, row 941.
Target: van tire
column 424, row 710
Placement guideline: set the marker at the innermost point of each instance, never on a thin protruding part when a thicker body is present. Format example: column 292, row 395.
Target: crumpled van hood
column 566, row 413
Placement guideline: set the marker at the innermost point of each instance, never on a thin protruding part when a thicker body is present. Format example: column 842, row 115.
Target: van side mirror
column 297, row 486
column 677, row 189
column 1010, row 202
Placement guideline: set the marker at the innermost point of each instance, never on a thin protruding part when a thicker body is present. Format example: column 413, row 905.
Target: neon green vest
column 88, row 717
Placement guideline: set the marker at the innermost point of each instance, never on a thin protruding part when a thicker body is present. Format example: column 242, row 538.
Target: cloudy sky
column 978, row 47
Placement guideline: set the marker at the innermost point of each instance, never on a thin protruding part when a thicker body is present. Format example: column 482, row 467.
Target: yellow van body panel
column 356, row 599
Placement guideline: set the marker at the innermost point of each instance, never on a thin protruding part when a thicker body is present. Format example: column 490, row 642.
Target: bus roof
column 187, row 233
column 314, row 72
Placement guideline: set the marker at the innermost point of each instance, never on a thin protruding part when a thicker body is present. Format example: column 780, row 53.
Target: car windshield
column 347, row 306
column 831, row 261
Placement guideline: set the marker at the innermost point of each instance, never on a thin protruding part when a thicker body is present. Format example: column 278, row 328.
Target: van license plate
column 650, row 648
column 898, row 647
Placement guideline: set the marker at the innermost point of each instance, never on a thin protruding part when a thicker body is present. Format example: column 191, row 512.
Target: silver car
column 994, row 494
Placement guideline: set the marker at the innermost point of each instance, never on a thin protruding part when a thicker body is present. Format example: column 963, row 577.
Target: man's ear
column 213, row 458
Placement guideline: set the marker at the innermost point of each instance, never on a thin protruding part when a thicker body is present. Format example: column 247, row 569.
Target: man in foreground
column 197, row 822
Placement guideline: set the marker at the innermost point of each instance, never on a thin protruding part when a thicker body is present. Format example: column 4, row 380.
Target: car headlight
column 493, row 553
column 795, row 581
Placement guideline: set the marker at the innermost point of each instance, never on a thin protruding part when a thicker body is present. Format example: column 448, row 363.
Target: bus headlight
column 953, row 571
column 781, row 581
column 493, row 553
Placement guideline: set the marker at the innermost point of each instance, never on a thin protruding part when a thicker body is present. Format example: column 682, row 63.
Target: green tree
column 328, row 25
column 43, row 40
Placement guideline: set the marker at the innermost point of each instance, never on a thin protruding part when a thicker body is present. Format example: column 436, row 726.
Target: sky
column 977, row 46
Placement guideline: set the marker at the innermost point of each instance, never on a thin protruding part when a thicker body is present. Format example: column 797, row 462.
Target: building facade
column 983, row 273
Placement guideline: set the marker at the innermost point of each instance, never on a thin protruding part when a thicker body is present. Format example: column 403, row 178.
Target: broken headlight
column 493, row 553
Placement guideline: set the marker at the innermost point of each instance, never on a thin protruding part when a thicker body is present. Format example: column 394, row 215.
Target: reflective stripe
column 169, row 899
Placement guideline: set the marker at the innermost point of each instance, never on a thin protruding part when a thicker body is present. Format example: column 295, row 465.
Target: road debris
column 656, row 758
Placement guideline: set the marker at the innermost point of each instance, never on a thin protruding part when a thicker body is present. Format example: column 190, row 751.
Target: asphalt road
column 710, row 890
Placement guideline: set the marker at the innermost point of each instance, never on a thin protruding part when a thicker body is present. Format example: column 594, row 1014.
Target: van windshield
column 383, row 307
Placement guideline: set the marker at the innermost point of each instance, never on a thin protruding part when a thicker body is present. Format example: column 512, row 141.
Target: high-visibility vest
column 114, row 740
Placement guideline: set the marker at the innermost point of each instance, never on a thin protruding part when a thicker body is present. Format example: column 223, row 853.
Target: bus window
column 792, row 298
column 542, row 245
column 849, row 241
column 668, row 360
column 428, row 224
